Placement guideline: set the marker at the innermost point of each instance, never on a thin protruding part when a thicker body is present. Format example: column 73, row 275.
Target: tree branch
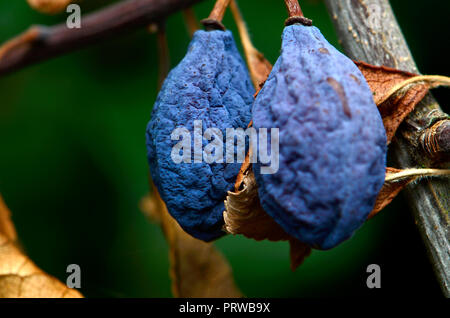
column 40, row 43
column 369, row 31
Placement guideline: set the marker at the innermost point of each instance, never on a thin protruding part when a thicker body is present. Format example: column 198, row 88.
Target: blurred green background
column 73, row 164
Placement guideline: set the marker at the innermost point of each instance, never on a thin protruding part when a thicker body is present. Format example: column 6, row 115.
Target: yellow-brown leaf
column 244, row 215
column 19, row 276
column 298, row 252
column 49, row 6
column 197, row 268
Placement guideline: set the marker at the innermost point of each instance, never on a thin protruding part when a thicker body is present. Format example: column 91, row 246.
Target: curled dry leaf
column 396, row 180
column 298, row 253
column 197, row 269
column 397, row 92
column 19, row 276
column 244, row 215
column 49, row 6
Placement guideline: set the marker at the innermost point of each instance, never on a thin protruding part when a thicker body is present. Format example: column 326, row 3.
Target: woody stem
column 293, row 8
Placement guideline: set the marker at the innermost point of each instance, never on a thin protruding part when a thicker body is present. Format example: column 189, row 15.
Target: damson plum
column 211, row 86
column 332, row 141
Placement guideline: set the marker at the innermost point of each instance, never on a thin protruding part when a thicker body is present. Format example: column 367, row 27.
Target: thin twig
column 118, row 18
column 163, row 53
column 191, row 21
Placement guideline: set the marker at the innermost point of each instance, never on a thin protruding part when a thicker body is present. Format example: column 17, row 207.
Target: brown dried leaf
column 244, row 215
column 19, row 276
column 396, row 92
column 382, row 79
column 388, row 192
column 7, row 228
column 49, row 6
column 197, row 268
column 298, row 252
column 396, row 180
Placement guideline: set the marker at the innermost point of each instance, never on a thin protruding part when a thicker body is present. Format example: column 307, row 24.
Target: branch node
column 435, row 140
column 298, row 19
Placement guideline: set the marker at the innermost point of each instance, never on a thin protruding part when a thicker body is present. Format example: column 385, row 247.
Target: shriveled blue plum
column 210, row 84
column 332, row 141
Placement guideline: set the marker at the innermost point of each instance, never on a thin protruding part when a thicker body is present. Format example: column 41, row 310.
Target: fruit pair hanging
column 332, row 143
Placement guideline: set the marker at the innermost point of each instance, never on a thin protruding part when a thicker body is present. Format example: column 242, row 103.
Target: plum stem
column 295, row 14
column 214, row 21
column 293, row 8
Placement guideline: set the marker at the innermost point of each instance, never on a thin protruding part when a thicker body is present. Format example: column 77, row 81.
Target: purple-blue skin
column 211, row 84
column 332, row 141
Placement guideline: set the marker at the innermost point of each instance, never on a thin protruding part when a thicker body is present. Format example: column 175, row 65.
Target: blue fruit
column 210, row 84
column 332, row 141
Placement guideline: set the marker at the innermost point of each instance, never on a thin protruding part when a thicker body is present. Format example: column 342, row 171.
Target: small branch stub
column 435, row 140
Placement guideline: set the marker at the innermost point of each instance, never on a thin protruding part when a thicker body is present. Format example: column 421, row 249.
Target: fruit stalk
column 214, row 21
column 295, row 13
column 293, row 8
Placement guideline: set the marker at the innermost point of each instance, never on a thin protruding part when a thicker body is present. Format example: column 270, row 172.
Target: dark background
column 73, row 164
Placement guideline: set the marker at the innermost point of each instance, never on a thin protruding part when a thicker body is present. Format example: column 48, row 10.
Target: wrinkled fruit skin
column 210, row 84
column 332, row 141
